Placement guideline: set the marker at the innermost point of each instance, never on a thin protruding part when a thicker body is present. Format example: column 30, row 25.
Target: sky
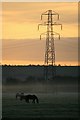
column 39, row 0
column 20, row 35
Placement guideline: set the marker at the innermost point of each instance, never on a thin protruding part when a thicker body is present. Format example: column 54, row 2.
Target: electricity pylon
column 50, row 48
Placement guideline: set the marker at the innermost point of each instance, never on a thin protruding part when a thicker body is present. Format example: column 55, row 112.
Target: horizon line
column 35, row 65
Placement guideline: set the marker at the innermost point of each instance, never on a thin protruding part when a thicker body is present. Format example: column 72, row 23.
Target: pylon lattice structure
column 50, row 48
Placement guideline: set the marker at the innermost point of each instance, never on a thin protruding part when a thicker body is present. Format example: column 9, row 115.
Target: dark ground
column 58, row 98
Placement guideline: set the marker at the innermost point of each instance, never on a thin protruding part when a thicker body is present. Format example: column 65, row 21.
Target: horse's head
column 21, row 98
column 17, row 94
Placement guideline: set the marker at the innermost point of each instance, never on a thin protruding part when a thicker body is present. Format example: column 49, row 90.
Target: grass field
column 51, row 104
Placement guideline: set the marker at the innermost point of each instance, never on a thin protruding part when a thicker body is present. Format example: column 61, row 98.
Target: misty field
column 53, row 103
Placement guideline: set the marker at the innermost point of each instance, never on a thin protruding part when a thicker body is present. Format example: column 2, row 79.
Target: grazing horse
column 28, row 97
column 18, row 95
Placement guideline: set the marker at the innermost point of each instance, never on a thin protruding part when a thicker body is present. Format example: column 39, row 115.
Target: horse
column 18, row 95
column 28, row 97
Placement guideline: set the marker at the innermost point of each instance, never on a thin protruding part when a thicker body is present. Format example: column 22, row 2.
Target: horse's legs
column 27, row 100
column 33, row 101
column 36, row 99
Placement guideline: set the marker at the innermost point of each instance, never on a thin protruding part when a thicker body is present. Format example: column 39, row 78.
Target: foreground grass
column 51, row 104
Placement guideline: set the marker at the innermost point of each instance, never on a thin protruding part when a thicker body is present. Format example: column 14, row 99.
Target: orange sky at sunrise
column 20, row 36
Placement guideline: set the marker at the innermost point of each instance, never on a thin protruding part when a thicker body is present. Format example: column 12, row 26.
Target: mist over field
column 58, row 97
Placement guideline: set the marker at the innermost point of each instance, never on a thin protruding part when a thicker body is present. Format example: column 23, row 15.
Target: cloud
column 33, row 50
column 23, row 12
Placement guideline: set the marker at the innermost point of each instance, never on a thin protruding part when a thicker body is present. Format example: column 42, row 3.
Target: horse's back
column 34, row 96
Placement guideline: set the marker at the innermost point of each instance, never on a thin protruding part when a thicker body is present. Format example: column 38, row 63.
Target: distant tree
column 59, row 65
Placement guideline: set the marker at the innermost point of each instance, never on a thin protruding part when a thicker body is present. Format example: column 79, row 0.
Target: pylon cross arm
column 40, row 25
column 57, row 24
